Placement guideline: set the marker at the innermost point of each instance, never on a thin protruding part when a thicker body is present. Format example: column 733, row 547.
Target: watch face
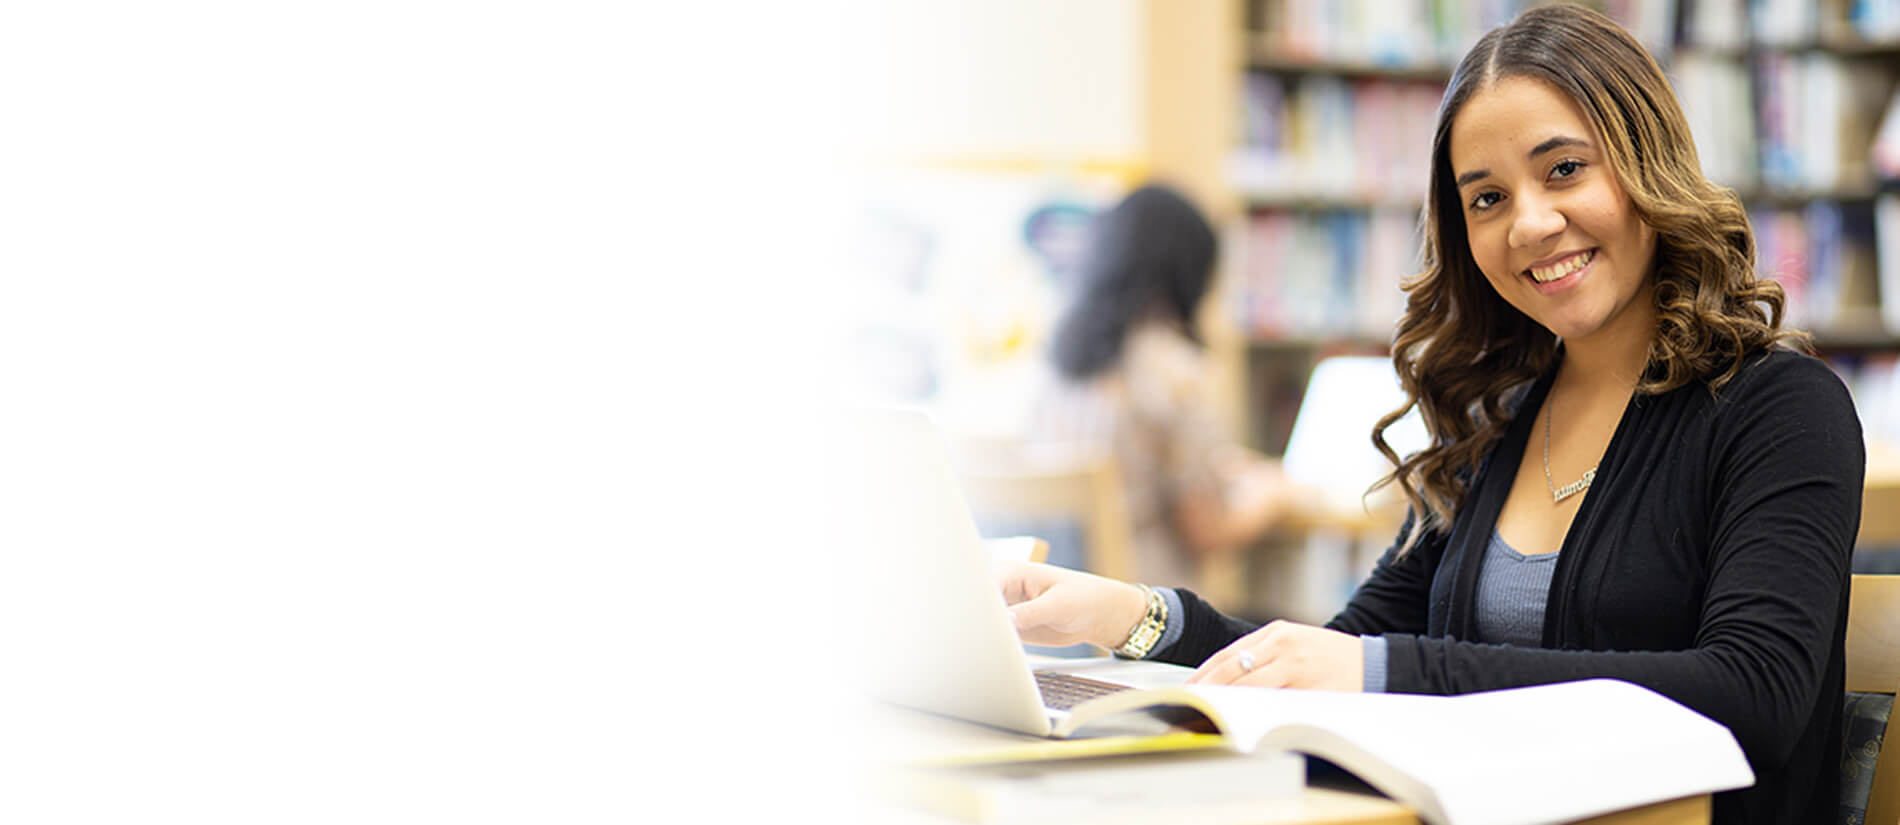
column 1148, row 630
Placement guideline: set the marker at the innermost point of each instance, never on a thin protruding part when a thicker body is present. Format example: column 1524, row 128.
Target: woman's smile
column 1563, row 265
column 1564, row 273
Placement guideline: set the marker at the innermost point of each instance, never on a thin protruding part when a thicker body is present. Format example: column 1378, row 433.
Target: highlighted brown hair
column 1460, row 349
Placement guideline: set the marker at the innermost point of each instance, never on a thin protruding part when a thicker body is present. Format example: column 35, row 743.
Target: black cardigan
column 1709, row 562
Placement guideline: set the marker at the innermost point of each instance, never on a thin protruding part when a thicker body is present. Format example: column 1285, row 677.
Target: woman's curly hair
column 1461, row 350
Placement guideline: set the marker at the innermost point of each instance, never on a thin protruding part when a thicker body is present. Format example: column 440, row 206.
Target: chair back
column 1880, row 514
column 1085, row 491
column 1871, row 762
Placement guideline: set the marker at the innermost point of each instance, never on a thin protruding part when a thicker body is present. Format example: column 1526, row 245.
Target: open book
column 1173, row 778
column 1544, row 754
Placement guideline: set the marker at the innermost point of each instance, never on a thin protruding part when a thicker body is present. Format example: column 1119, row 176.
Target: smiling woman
column 1586, row 128
column 1547, row 222
column 1628, row 476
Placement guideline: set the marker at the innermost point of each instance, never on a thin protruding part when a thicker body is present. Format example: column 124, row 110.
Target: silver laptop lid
column 938, row 633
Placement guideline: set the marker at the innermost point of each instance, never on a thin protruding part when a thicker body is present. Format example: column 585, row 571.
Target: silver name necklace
column 1558, row 494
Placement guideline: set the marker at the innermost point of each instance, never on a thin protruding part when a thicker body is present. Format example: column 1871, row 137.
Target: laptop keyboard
column 1061, row 691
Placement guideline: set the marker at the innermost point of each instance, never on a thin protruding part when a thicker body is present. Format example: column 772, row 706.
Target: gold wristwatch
column 1147, row 631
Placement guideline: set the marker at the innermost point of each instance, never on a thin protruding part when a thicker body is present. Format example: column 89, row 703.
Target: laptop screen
column 1330, row 448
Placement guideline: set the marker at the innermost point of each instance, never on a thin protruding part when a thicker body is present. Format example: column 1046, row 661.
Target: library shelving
column 1336, row 104
column 1786, row 100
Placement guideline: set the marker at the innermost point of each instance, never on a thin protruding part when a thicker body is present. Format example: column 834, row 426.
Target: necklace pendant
column 1573, row 487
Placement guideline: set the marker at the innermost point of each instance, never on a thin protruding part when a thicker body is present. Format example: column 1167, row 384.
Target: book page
column 1509, row 756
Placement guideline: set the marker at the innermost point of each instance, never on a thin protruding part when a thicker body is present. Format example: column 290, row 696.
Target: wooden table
column 1880, row 505
column 904, row 734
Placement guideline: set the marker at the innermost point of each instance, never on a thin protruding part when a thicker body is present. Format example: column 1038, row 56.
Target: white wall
column 992, row 78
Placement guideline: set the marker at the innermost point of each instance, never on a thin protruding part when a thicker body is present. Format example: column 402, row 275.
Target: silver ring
column 1246, row 661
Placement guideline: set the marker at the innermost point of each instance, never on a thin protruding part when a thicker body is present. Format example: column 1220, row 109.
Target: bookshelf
column 1786, row 100
column 1338, row 101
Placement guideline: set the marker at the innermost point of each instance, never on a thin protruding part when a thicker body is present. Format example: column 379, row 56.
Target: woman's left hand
column 1286, row 654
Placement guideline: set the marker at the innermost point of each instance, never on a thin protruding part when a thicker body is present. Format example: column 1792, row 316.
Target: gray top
column 1513, row 590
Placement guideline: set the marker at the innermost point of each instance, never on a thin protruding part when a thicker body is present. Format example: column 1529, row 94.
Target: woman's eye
column 1566, row 168
column 1484, row 201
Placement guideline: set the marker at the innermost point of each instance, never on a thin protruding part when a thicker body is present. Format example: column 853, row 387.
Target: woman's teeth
column 1544, row 275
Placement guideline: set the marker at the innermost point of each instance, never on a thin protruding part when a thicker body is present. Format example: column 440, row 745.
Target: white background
column 388, row 389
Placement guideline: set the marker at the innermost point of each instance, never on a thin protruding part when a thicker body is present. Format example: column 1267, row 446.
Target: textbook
column 992, row 776
column 1523, row 756
column 1178, row 780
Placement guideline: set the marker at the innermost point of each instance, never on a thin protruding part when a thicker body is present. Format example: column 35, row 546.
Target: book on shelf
column 1720, row 25
column 1824, row 256
column 1875, row 20
column 1327, row 273
column 1374, row 33
column 1783, row 22
column 1873, row 378
column 1717, row 101
column 1651, row 22
column 1885, row 154
column 1324, row 137
column 1816, row 120
column 1440, row 755
column 1887, row 228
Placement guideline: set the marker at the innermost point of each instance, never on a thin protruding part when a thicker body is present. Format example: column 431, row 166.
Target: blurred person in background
column 1132, row 380
column 1631, row 474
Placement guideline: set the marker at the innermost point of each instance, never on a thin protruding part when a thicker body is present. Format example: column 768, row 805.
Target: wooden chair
column 1085, row 491
column 1873, row 667
column 1880, row 501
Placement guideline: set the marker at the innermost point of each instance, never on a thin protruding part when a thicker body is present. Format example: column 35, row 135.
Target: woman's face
column 1547, row 221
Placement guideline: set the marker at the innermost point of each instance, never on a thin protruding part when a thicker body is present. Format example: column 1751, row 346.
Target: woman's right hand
column 1056, row 606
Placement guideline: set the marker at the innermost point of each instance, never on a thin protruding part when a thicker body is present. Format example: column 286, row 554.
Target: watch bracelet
column 1143, row 636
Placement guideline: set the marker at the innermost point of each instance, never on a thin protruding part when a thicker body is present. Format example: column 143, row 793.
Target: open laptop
column 939, row 635
column 1330, row 448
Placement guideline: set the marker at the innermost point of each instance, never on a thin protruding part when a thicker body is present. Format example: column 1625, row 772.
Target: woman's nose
column 1535, row 221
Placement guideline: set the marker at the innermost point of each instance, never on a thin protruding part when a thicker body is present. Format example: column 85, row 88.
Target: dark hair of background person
column 1151, row 255
column 1460, row 349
